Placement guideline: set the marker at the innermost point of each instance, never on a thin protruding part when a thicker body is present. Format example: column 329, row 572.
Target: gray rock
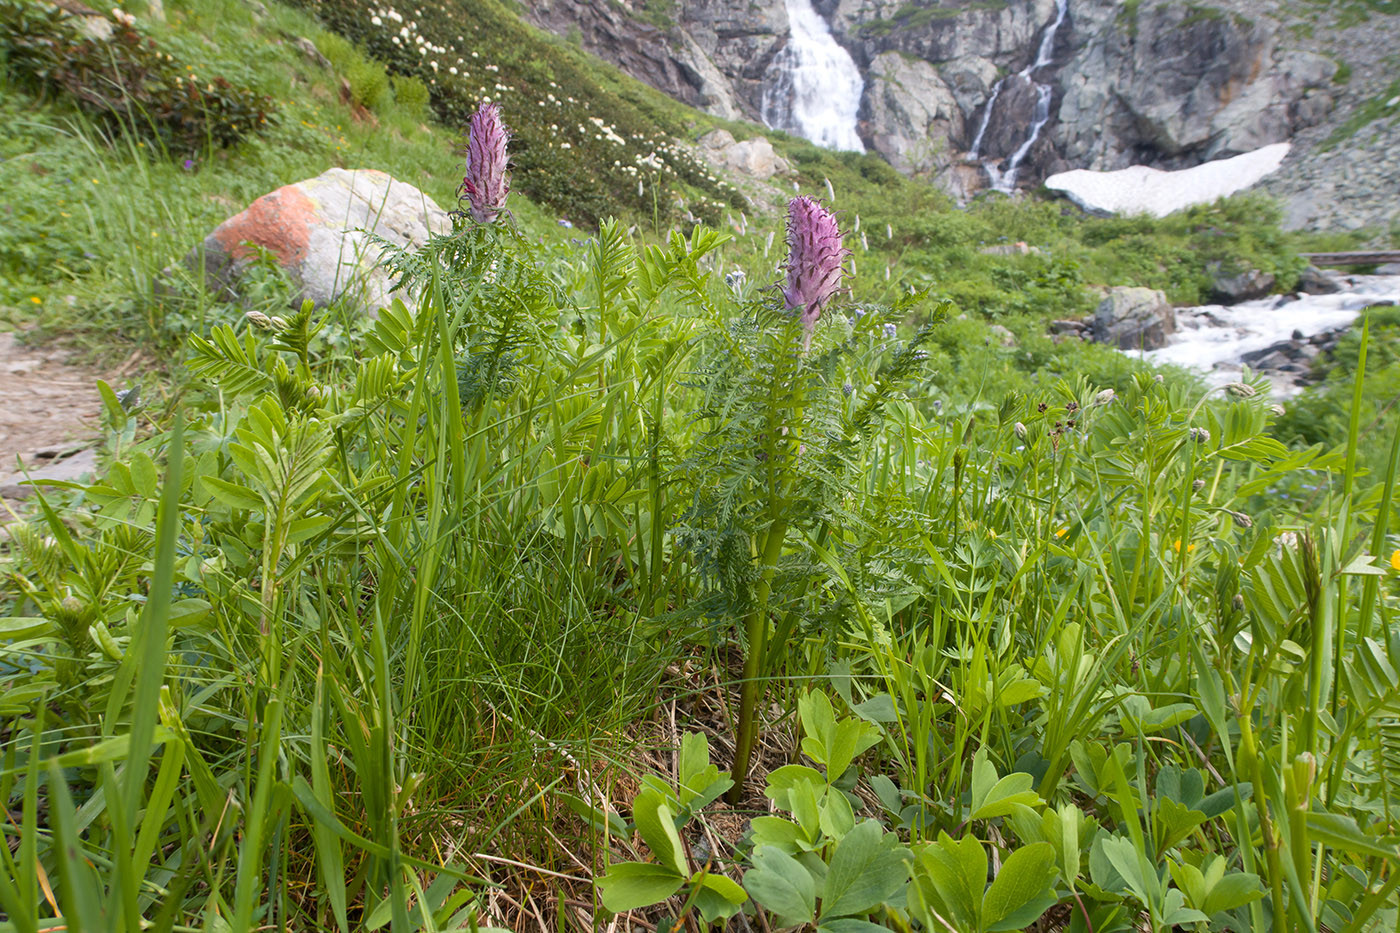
column 1133, row 318
column 1314, row 281
column 1233, row 286
column 312, row 54
column 1226, row 90
column 755, row 158
column 319, row 231
column 89, row 22
column 913, row 117
column 1003, row 335
column 971, row 79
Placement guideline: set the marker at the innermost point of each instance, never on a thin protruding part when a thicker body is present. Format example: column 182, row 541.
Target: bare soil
column 49, row 412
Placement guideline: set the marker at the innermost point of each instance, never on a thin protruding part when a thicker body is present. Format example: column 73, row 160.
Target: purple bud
column 485, row 184
column 814, row 260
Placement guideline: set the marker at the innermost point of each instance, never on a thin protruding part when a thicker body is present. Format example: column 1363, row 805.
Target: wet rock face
column 1173, row 84
column 913, row 116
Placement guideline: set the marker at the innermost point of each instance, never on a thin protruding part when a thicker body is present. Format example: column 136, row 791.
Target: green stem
column 756, row 628
column 1249, row 757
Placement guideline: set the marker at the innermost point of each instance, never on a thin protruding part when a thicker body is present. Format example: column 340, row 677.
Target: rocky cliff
column 1166, row 83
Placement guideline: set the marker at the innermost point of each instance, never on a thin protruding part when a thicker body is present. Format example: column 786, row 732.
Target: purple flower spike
column 485, row 184
column 814, row 260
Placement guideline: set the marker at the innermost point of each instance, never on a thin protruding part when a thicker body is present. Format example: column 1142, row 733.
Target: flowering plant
column 814, row 261
column 486, row 186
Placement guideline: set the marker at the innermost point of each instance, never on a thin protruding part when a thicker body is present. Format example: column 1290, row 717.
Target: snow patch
column 1144, row 190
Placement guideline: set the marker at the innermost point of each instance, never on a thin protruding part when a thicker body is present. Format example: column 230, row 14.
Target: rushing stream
column 813, row 87
column 1214, row 338
column 1005, row 180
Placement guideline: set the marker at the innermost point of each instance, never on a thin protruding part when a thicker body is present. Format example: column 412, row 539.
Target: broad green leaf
column 850, row 925
column 20, row 627
column 837, row 818
column 629, row 885
column 656, row 823
column 700, row 782
column 1020, row 893
column 776, row 831
column 1172, row 822
column 780, row 884
column 865, row 870
column 1125, row 859
column 1234, row 890
column 724, row 886
column 951, row 876
column 879, row 708
column 1004, row 796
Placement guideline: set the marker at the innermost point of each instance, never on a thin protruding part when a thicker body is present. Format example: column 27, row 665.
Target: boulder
column 1314, row 281
column 913, row 117
column 318, row 231
column 716, row 140
column 1134, row 318
column 1230, row 287
column 90, row 23
column 1003, row 335
column 755, row 158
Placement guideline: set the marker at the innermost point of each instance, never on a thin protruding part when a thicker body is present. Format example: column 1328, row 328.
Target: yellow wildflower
column 1395, row 560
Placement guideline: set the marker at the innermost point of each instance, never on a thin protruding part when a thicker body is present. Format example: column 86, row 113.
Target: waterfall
column 813, row 88
column 1044, row 55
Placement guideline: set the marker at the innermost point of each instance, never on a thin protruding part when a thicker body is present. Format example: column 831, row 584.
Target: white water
column 1212, row 338
column 1045, row 55
column 813, row 87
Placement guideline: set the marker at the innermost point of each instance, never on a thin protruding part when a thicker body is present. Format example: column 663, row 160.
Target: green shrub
column 411, row 95
column 339, row 51
column 128, row 83
column 369, row 83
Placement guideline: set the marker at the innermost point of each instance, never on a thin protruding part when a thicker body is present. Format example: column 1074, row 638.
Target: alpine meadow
column 651, row 541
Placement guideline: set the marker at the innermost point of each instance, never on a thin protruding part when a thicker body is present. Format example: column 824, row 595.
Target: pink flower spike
column 814, row 260
column 486, row 184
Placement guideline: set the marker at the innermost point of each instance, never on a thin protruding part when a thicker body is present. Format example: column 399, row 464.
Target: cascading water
column 1045, row 55
column 1219, row 341
column 813, row 87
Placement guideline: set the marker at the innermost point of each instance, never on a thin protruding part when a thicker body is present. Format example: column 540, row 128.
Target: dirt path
column 49, row 417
